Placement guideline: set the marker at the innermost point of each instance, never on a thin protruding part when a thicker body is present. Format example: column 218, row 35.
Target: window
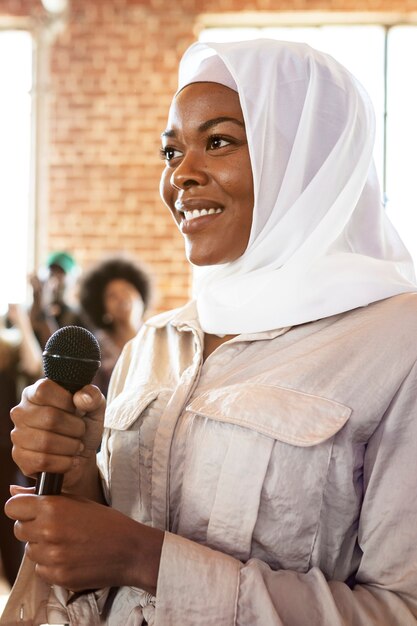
column 15, row 158
column 381, row 56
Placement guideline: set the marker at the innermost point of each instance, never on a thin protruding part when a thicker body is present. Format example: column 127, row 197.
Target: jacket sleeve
column 200, row 585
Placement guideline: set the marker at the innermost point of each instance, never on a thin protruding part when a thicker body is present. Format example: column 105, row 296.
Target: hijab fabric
column 320, row 241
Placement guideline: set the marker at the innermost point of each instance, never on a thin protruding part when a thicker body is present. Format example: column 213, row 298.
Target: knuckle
column 18, row 531
column 41, row 444
column 47, row 536
column 59, row 575
column 20, row 461
column 50, row 418
column 43, row 461
column 14, row 436
column 38, row 392
column 15, row 414
column 29, row 551
column 16, row 456
column 55, row 557
column 44, row 573
column 78, row 427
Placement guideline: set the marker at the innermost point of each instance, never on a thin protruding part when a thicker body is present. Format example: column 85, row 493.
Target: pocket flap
column 124, row 410
column 287, row 415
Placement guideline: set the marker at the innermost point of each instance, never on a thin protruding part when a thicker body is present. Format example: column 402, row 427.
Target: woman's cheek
column 165, row 189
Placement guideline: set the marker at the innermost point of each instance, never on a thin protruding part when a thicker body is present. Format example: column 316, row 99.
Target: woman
column 258, row 454
column 114, row 295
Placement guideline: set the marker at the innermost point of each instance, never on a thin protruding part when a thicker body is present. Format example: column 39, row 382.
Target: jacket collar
column 185, row 318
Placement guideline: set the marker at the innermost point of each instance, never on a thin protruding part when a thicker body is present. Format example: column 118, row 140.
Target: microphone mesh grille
column 71, row 357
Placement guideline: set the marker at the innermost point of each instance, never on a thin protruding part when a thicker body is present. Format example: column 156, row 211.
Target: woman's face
column 207, row 181
column 122, row 301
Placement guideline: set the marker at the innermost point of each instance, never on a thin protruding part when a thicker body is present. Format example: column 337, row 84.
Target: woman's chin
column 202, row 259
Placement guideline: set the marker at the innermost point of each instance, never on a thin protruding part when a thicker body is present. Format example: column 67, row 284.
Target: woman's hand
column 59, row 433
column 79, row 544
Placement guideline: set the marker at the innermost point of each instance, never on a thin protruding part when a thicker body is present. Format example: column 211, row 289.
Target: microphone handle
column 49, row 484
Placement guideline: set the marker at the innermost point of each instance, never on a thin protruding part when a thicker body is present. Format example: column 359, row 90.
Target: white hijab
column 320, row 242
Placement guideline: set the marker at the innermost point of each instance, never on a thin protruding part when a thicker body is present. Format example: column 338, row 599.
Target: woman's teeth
column 191, row 215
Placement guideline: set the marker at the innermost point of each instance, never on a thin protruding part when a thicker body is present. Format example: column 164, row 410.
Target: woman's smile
column 197, row 213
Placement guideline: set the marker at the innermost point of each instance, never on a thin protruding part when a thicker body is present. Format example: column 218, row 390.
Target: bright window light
column 402, row 133
column 362, row 49
column 15, row 149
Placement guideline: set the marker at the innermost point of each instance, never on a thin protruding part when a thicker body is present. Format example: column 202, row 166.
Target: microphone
column 71, row 358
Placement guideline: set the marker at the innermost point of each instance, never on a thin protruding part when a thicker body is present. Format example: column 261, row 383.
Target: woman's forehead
column 204, row 100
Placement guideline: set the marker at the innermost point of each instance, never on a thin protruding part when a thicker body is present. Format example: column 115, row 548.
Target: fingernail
column 86, row 398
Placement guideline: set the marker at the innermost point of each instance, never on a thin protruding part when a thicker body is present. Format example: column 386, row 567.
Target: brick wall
column 112, row 72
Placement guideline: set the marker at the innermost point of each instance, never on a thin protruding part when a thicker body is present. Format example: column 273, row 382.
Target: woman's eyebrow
column 206, row 125
column 168, row 133
column 218, row 120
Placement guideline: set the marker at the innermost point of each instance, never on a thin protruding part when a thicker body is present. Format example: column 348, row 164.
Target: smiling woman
column 257, row 463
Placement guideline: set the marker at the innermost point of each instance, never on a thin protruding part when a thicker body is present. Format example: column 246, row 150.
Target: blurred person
column 52, row 307
column 30, row 353
column 114, row 296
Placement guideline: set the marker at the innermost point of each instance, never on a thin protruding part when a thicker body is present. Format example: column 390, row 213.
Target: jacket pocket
column 126, row 455
column 286, row 415
column 127, row 408
column 262, row 454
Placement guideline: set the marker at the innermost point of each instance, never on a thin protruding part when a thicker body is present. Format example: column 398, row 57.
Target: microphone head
column 71, row 357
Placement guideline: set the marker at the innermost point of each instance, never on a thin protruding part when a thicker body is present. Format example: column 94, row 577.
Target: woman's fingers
column 48, row 433
column 56, row 432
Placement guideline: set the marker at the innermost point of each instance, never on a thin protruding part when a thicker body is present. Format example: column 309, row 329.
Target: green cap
column 63, row 259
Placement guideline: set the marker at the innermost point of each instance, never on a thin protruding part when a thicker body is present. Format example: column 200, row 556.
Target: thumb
column 90, row 404
column 89, row 400
column 17, row 489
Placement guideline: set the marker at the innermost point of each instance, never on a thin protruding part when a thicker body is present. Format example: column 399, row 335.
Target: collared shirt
column 281, row 467
column 283, row 470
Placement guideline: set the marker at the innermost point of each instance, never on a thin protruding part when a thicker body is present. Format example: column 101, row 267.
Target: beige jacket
column 284, row 470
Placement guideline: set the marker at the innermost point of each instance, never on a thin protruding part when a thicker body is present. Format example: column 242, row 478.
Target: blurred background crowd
column 111, row 300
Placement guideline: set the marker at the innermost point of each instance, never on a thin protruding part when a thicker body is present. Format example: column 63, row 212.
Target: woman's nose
column 192, row 171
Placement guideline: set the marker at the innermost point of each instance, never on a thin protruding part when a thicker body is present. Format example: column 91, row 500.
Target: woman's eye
column 168, row 153
column 218, row 142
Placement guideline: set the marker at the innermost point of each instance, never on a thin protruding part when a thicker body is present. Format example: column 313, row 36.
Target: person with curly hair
column 114, row 295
